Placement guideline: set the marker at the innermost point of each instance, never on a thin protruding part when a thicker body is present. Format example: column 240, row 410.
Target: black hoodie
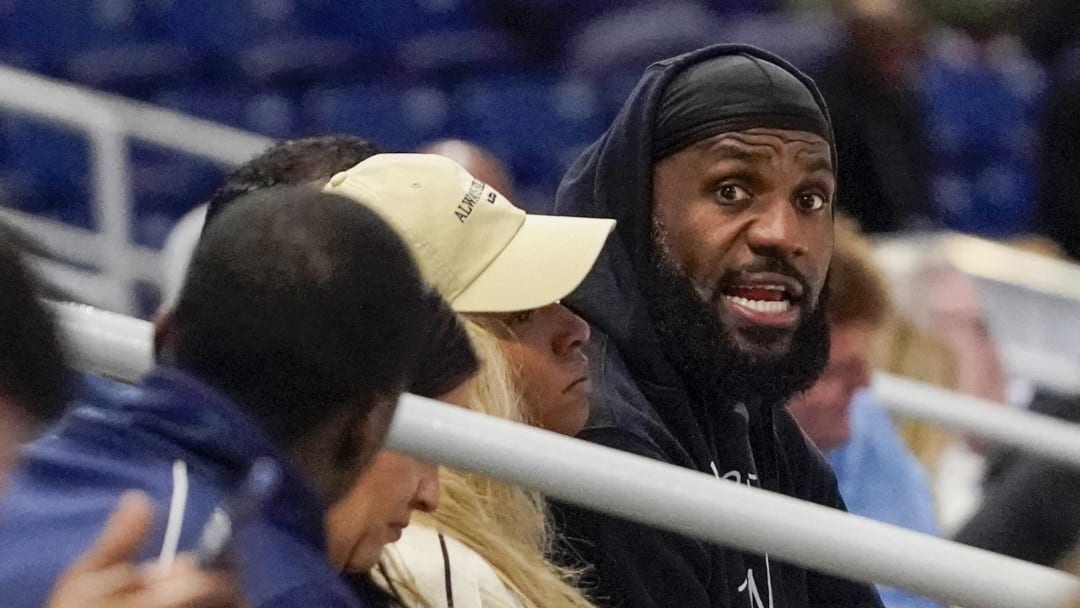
column 641, row 405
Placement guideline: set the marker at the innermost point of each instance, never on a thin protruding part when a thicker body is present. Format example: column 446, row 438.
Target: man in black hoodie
column 707, row 314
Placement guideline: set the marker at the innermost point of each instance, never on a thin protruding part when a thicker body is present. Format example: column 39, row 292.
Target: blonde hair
column 857, row 291
column 902, row 348
column 506, row 525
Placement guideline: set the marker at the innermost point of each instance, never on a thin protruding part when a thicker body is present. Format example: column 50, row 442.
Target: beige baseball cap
column 473, row 245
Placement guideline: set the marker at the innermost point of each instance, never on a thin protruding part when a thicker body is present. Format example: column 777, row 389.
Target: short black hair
column 448, row 358
column 293, row 162
column 32, row 368
column 298, row 304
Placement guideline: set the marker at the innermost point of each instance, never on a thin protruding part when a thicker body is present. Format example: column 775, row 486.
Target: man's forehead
column 767, row 137
column 752, row 144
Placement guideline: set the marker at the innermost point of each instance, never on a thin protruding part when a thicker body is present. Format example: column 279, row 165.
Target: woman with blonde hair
column 902, row 348
column 487, row 543
column 503, row 529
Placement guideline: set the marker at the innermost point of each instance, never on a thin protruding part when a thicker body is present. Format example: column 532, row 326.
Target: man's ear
column 164, row 323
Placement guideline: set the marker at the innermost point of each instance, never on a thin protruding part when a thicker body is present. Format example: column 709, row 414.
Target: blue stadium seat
column 223, row 27
column 165, row 186
column 54, row 167
column 301, row 60
column 745, row 8
column 449, row 56
column 981, row 119
column 100, row 43
column 536, row 126
column 265, row 41
column 135, row 69
column 384, row 24
column 60, row 27
column 266, row 111
column 635, row 37
column 394, row 119
column 806, row 41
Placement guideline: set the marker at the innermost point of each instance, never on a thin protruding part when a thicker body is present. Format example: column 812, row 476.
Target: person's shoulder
column 278, row 563
column 620, row 414
column 795, row 443
column 811, row 475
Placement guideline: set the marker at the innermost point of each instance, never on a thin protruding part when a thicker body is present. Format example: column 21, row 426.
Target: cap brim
column 547, row 259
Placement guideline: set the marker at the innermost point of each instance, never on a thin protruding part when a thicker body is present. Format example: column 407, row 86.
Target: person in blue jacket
column 877, row 474
column 288, row 343
column 34, row 382
column 34, row 389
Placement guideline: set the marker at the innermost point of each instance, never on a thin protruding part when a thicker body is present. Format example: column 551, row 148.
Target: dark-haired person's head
column 309, row 160
column 379, row 505
column 447, row 359
column 308, row 311
column 33, row 377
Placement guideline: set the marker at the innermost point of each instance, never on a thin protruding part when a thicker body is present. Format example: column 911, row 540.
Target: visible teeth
column 761, row 305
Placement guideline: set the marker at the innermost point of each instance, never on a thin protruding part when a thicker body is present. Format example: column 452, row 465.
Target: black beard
column 708, row 357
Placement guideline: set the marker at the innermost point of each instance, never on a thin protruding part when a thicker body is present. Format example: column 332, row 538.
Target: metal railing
column 666, row 496
column 109, row 121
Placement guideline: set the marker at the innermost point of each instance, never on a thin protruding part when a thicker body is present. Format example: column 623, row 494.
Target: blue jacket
column 119, row 437
column 880, row 478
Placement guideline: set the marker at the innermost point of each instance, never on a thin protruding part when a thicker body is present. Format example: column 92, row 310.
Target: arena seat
column 266, row 111
column 397, row 119
column 55, row 167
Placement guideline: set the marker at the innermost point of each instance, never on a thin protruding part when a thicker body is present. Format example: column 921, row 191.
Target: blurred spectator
column 877, row 475
column 902, row 348
column 858, row 303
column 33, row 378
column 983, row 95
column 378, row 508
column 1020, row 514
column 309, row 160
column 481, row 163
column 1052, row 34
column 533, row 369
column 258, row 360
column 954, row 312
column 884, row 174
column 945, row 302
column 1027, row 507
column 33, row 391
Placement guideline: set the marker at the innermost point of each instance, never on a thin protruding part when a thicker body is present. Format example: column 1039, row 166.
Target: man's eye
column 730, row 193
column 811, row 202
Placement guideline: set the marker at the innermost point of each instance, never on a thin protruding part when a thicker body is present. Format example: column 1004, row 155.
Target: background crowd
column 944, row 115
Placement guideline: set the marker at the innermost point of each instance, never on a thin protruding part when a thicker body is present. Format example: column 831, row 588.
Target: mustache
column 761, row 264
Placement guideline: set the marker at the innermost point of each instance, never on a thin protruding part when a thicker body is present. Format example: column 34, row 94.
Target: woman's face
column 378, row 506
column 546, row 349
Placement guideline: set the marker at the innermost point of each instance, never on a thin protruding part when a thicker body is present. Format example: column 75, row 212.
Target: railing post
column 112, row 211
